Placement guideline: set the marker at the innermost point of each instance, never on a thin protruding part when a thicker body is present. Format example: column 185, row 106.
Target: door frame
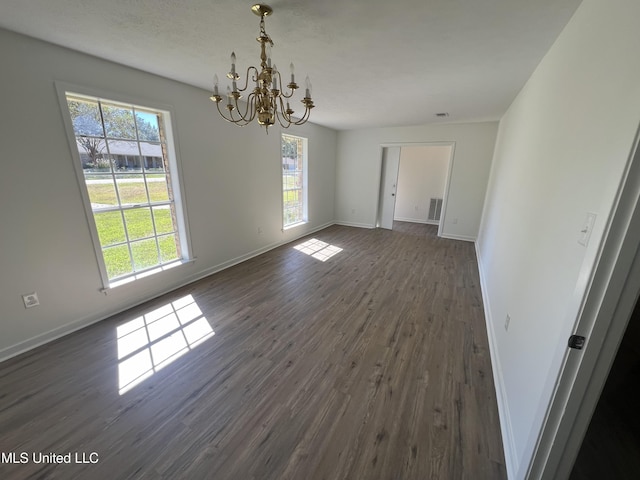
column 608, row 303
column 445, row 195
column 386, row 174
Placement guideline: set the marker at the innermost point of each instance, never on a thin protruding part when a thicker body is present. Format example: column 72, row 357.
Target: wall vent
column 435, row 208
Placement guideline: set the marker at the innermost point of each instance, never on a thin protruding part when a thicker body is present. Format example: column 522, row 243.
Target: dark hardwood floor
column 371, row 364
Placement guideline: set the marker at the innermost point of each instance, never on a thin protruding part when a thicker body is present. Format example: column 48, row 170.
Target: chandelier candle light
column 267, row 100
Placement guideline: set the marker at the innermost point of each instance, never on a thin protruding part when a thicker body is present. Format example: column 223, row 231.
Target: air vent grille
column 435, row 208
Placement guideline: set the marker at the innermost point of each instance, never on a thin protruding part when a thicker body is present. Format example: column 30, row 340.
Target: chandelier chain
column 263, row 32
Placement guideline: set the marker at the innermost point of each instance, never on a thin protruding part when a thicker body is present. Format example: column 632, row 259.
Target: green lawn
column 130, row 192
column 139, row 225
column 145, row 254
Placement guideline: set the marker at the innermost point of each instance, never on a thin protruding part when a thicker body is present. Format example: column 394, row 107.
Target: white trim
column 417, row 220
column 295, row 225
column 445, row 195
column 175, row 172
column 61, row 89
column 355, row 224
column 73, row 326
column 305, row 181
column 39, row 340
column 508, row 442
column 612, row 282
column 452, row 236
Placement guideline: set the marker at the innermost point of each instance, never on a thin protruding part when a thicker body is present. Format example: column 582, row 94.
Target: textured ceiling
column 373, row 63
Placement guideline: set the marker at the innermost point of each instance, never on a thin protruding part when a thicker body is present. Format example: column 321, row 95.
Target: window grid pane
column 128, row 183
column 293, row 155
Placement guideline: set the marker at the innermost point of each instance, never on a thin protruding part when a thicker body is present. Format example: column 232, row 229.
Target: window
column 294, row 180
column 128, row 169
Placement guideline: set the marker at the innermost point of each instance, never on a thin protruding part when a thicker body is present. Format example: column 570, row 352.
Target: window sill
column 294, row 225
column 146, row 273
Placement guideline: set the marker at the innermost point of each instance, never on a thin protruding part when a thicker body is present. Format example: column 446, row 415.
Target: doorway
column 414, row 183
column 611, row 446
column 609, row 304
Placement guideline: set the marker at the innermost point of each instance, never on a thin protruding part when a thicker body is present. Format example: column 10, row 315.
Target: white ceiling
column 373, row 63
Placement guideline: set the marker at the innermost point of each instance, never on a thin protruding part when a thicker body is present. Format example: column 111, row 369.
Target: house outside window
column 128, row 172
column 294, row 180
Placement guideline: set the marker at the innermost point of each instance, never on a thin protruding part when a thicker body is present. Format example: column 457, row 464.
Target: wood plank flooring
column 372, row 364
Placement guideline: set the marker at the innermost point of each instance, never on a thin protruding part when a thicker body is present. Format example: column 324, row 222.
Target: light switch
column 585, row 231
column 30, row 300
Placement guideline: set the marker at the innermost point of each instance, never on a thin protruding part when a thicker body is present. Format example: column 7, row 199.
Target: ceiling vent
column 442, row 114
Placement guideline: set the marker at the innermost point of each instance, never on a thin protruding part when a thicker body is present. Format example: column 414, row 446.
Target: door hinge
column 577, row 342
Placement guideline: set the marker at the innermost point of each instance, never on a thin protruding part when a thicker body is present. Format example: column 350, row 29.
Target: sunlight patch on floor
column 318, row 249
column 150, row 342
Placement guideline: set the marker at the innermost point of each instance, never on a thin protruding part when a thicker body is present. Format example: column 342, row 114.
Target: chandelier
column 266, row 102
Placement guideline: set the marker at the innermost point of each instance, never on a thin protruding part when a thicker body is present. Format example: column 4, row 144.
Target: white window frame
column 175, row 176
column 305, row 176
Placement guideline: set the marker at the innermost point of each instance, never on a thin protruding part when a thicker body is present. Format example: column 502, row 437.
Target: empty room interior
column 385, row 240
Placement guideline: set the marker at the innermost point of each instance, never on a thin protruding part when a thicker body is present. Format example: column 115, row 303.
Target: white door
column 388, row 185
column 609, row 302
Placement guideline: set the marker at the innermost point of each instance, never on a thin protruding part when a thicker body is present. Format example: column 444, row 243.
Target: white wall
column 231, row 179
column 560, row 153
column 359, row 164
column 421, row 177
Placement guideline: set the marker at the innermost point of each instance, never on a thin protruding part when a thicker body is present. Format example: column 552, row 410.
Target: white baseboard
column 417, row 220
column 465, row 238
column 352, row 224
column 46, row 337
column 508, row 444
column 243, row 258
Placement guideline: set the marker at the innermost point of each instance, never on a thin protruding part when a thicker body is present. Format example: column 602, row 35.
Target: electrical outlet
column 454, row 221
column 30, row 300
column 259, row 231
column 353, row 211
column 587, row 226
column 507, row 321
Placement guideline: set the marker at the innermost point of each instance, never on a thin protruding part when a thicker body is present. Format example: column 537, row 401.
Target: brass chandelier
column 266, row 102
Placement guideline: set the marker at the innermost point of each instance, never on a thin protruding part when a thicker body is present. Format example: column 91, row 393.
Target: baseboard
column 358, row 225
column 417, row 220
column 243, row 258
column 46, row 337
column 465, row 238
column 506, row 428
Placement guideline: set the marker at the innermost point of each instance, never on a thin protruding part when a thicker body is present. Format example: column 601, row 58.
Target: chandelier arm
column 280, row 108
column 289, row 95
column 246, row 83
column 239, row 121
column 247, row 111
column 230, row 120
column 252, row 100
column 286, row 124
column 305, row 117
column 292, row 91
column 281, row 115
column 243, row 120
